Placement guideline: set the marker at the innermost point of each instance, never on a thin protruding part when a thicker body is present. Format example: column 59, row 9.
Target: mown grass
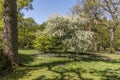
column 78, row 67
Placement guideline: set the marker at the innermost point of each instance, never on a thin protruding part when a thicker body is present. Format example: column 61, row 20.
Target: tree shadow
column 63, row 76
column 22, row 71
column 90, row 57
column 19, row 72
column 65, row 73
column 107, row 74
column 84, row 56
column 26, row 58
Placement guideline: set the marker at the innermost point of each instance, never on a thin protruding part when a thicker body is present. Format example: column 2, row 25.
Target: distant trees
column 117, row 38
column 104, row 13
column 27, row 28
column 76, row 9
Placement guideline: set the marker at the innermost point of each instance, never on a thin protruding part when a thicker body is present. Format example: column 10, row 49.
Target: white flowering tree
column 69, row 31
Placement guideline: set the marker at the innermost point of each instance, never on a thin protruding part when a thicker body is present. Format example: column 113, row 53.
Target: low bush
column 46, row 44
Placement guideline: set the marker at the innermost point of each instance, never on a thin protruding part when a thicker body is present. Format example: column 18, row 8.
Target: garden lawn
column 78, row 67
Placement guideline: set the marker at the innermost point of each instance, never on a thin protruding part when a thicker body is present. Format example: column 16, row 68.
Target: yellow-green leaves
column 27, row 4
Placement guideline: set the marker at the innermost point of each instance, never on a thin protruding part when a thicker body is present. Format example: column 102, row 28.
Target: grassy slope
column 56, row 68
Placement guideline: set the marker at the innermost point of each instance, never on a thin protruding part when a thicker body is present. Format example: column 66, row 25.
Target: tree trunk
column 10, row 34
column 112, row 38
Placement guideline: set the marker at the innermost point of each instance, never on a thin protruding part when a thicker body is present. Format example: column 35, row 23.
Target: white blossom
column 70, row 28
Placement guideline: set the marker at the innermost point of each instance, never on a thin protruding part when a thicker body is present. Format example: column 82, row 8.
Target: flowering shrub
column 69, row 31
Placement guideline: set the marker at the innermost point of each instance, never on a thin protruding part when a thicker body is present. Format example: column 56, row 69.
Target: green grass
column 83, row 67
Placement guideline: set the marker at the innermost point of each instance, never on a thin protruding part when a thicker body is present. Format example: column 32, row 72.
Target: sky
column 44, row 8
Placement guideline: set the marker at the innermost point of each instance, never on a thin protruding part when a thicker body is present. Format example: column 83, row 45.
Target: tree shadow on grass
column 99, row 58
column 23, row 71
column 107, row 74
column 66, row 74
column 63, row 73
column 88, row 57
column 26, row 58
column 48, row 65
column 19, row 72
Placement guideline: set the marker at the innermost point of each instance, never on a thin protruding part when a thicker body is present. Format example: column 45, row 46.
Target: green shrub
column 46, row 43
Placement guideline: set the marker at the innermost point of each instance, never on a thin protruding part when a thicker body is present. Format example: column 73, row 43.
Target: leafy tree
column 117, row 39
column 10, row 28
column 44, row 42
column 21, row 4
column 27, row 28
column 101, row 33
column 76, row 9
column 24, row 4
column 69, row 31
column 104, row 13
column 102, row 38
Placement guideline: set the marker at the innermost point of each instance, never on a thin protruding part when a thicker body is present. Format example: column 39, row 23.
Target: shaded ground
column 85, row 66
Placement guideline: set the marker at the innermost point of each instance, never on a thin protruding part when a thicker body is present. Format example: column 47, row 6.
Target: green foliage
column 25, row 4
column 102, row 38
column 27, row 28
column 45, row 43
column 22, row 4
column 1, row 32
column 117, row 38
column 1, row 9
column 104, row 13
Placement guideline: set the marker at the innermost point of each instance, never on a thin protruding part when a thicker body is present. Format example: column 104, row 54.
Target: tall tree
column 76, row 10
column 10, row 34
column 105, row 13
column 26, row 28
